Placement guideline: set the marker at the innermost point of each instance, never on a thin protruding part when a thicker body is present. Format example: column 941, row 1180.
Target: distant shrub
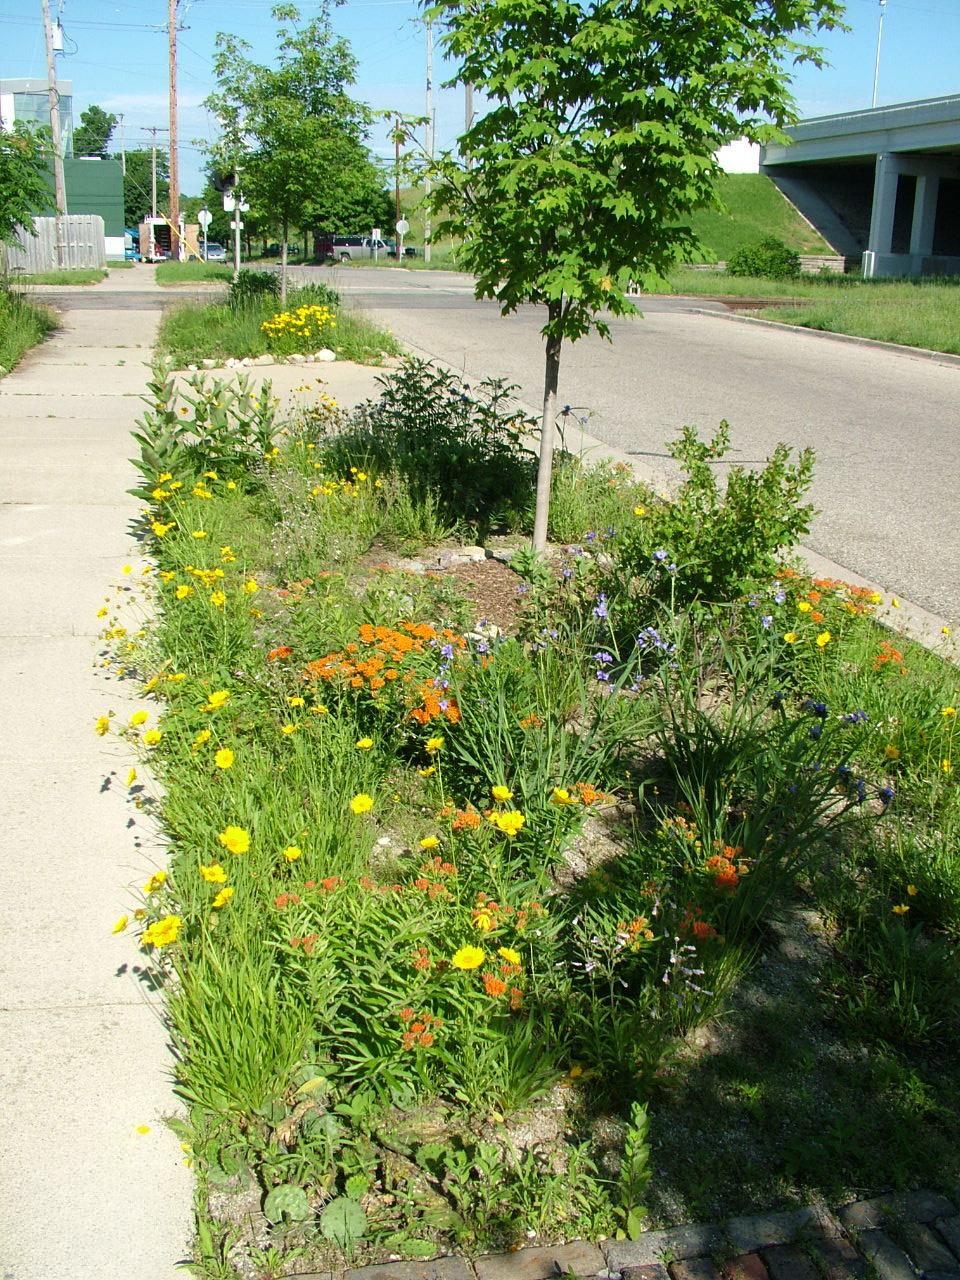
column 314, row 295
column 768, row 258
column 252, row 286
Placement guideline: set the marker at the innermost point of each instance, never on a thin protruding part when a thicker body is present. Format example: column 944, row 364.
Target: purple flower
column 861, row 790
column 855, row 717
column 779, row 597
column 600, row 608
column 602, row 675
column 818, row 709
column 660, row 555
column 568, row 573
column 446, row 651
column 483, row 647
column 589, row 537
column 816, row 730
column 603, row 658
column 766, row 621
column 886, row 794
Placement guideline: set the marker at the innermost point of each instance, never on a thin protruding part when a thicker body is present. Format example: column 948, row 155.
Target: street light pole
column 60, row 191
column 876, row 69
column 427, row 226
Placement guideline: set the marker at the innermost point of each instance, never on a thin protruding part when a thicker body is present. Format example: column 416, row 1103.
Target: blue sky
column 120, row 60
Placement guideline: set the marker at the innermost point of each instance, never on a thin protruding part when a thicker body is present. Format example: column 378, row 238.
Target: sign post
column 375, row 239
column 403, row 226
column 204, row 217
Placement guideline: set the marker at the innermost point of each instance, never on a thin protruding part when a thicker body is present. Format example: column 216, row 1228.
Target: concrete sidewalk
column 84, row 1192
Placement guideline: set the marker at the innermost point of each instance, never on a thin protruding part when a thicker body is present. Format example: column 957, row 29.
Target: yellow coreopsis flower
column 152, row 737
column 364, row 744
column 361, row 803
column 823, row 639
column 121, row 924
column 102, row 726
column 162, row 932
column 213, row 873
column 198, row 534
column 433, row 745
column 235, row 839
column 912, row 890
column 900, row 909
column 501, row 793
column 183, row 591
column 201, row 739
column 430, row 842
column 217, row 699
column 138, row 718
column 251, row 587
column 224, row 758
column 509, row 822
column 156, row 881
column 218, row 599
column 223, row 897
column 561, row 796
column 468, row 958
column 292, row 852
column 508, row 954
column 791, row 637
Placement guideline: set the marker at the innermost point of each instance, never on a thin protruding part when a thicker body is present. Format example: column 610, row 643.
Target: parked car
column 216, row 252
column 349, row 248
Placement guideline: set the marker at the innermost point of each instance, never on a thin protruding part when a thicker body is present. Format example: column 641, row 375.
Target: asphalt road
column 885, row 426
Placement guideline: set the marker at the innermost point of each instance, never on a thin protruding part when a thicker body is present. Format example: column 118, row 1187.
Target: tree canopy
column 136, row 184
column 599, row 139
column 92, row 135
column 24, row 179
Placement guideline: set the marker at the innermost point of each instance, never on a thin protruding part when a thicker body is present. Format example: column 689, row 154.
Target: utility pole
column 154, row 130
column 427, row 227
column 876, row 69
column 396, row 170
column 237, row 215
column 60, row 190
column 174, row 163
column 123, row 149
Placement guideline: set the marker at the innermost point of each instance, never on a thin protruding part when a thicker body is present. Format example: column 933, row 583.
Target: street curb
column 905, row 618
column 896, row 348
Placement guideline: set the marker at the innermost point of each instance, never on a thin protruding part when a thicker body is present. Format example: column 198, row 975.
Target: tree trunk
column 306, row 246
column 283, row 265
column 547, row 430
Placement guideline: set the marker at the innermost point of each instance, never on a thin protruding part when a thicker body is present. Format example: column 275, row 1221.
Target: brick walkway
column 913, row 1236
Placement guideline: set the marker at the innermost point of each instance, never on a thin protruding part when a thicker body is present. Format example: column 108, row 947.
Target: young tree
column 92, row 136
column 289, row 127
column 24, row 180
column 137, row 184
column 603, row 123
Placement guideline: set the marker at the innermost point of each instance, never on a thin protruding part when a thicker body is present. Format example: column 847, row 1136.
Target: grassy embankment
column 192, row 272
column 22, row 325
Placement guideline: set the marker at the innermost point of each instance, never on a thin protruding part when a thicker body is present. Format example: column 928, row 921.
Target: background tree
column 292, row 130
column 603, row 123
column 92, row 135
column 136, row 185
column 25, row 182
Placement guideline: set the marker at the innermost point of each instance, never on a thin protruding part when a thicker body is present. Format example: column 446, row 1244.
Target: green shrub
column 709, row 543
column 251, row 286
column 313, row 295
column 768, row 258
column 463, row 449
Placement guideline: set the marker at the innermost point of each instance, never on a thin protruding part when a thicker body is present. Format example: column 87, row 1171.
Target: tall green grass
column 190, row 272
column 77, row 275
column 22, row 325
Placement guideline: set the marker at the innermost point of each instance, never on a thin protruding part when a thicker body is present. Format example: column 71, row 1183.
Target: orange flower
column 282, row 651
column 493, row 986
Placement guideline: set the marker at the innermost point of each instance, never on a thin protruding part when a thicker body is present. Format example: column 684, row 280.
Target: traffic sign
column 204, row 217
column 403, row 226
column 229, row 203
column 235, row 226
column 375, row 233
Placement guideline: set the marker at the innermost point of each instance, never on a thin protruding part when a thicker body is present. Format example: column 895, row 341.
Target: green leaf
column 343, row 1221
column 417, row 1248
column 287, row 1201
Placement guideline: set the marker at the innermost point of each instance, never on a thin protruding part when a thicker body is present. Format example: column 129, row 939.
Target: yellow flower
column 167, row 475
column 912, row 890
column 152, row 737
column 210, row 475
column 102, row 613
column 425, row 773
column 121, row 924
column 295, row 701
column 142, row 1128
column 804, row 606
column 102, row 726
column 508, row 954
column 891, row 752
column 483, row 920
column 131, row 777
column 202, row 737
column 138, row 718
column 946, row 766
column 288, row 729
column 433, row 745
column 561, row 796
column 900, row 909
column 361, row 803
column 510, row 822
column 894, row 602
column 231, row 485
column 156, row 881
column 183, row 591
column 128, row 568
column 876, row 597
column 292, row 852
column 946, row 712
column 218, row 599
column 429, row 842
column 791, row 637
column 501, row 793
column 639, row 511
column 823, row 639
column 161, row 530
column 213, row 873
column 227, row 555
column 251, row 587
column 217, row 699
column 224, row 758
column 235, row 839
column 364, row 744
column 945, row 631
column 468, row 958
column 198, row 534
column 223, row 897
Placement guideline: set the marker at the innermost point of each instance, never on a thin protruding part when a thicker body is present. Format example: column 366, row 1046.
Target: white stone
column 295, row 359
column 262, row 360
column 209, row 364
column 192, row 368
column 246, row 362
column 325, row 355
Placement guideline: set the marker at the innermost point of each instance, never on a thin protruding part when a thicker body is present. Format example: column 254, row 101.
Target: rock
column 295, row 359
column 262, row 360
column 231, row 363
column 209, row 364
column 325, row 355
column 246, row 362
column 309, row 359
column 192, row 368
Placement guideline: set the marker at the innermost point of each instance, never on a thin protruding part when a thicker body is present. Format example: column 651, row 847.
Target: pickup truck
column 350, row 248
